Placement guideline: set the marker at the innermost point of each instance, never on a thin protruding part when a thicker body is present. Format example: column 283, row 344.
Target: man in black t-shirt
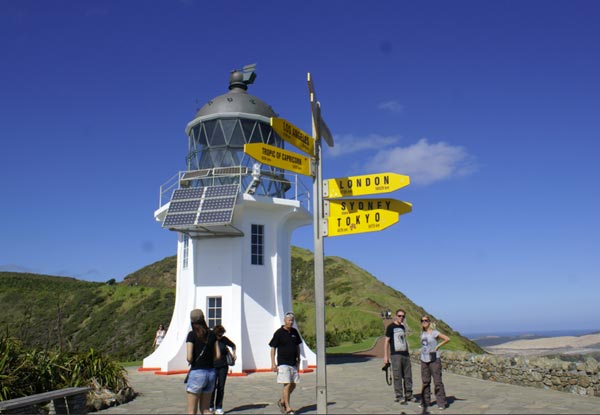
column 286, row 343
column 396, row 342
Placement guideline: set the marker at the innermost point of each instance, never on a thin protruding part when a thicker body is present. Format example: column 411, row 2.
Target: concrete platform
column 356, row 385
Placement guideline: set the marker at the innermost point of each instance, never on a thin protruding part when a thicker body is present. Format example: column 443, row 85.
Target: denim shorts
column 201, row 381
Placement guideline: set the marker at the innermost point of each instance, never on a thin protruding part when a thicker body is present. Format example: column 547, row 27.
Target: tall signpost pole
column 319, row 259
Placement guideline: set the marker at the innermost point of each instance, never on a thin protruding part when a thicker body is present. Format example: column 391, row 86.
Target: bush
column 27, row 372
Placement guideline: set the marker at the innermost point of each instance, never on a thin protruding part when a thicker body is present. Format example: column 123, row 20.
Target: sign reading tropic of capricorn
column 369, row 184
column 293, row 135
column 278, row 157
column 350, row 216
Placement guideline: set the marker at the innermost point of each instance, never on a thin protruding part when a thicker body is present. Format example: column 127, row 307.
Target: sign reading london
column 366, row 221
column 343, row 207
column 278, row 157
column 293, row 135
column 364, row 185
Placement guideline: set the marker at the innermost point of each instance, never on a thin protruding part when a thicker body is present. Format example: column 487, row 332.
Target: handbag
column 229, row 358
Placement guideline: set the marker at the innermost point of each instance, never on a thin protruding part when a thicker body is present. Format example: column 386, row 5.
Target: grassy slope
column 121, row 319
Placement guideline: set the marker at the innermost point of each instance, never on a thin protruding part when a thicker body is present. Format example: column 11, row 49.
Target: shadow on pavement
column 339, row 359
column 249, row 407
column 309, row 408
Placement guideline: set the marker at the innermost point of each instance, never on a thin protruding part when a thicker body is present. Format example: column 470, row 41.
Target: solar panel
column 194, row 174
column 184, row 206
column 179, row 219
column 215, row 217
column 218, row 204
column 189, row 193
column 213, row 205
column 224, row 190
column 230, row 170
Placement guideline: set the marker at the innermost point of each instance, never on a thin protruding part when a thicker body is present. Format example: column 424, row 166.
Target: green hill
column 120, row 319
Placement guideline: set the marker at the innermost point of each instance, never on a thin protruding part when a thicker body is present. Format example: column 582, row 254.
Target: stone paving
column 355, row 385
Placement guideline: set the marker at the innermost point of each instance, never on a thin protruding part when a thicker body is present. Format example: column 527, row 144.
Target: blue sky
column 492, row 108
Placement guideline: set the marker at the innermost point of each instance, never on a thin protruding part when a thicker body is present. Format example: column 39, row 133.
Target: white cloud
column 347, row 144
column 393, row 106
column 425, row 163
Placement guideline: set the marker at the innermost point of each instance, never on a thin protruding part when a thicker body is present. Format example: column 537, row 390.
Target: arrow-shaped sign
column 360, row 222
column 278, row 157
column 341, row 207
column 364, row 185
column 293, row 135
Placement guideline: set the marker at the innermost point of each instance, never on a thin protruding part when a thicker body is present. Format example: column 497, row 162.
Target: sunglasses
column 400, row 315
column 424, row 320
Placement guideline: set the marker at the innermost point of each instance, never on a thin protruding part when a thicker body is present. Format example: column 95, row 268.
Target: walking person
column 396, row 345
column 286, row 343
column 159, row 337
column 202, row 349
column 221, row 369
column 431, row 365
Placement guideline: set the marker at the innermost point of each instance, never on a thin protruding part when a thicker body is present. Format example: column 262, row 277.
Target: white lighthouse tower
column 234, row 219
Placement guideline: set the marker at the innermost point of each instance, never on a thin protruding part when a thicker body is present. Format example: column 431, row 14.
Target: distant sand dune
column 569, row 344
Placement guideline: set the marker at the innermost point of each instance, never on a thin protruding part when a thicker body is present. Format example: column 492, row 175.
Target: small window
column 257, row 243
column 214, row 309
column 186, row 245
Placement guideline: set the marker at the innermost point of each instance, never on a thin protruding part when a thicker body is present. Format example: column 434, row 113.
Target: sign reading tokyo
column 343, row 207
column 364, row 185
column 368, row 221
column 278, row 157
column 293, row 135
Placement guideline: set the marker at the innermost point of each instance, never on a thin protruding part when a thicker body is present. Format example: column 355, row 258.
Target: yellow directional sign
column 364, row 185
column 278, row 157
column 293, row 135
column 366, row 221
column 344, row 207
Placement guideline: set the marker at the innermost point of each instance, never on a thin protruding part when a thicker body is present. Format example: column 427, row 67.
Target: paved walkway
column 356, row 385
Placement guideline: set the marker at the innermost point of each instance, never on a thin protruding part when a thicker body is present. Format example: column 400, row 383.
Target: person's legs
column 221, row 377
column 426, row 380
column 192, row 403
column 397, row 372
column 407, row 376
column 288, row 388
column 205, row 402
column 436, row 372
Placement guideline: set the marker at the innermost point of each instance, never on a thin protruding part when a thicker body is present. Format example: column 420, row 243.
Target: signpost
column 293, row 135
column 278, row 157
column 369, row 184
column 338, row 217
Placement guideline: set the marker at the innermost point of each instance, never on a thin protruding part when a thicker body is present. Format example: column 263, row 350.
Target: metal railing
column 296, row 188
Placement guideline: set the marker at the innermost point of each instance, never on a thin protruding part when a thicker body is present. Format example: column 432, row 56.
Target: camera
column 386, row 366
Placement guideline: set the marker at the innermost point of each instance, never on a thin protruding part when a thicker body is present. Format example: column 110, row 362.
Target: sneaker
column 423, row 405
column 219, row 411
column 396, row 399
column 211, row 410
column 441, row 408
column 403, row 402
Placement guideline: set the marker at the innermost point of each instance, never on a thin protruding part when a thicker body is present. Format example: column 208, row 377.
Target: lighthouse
column 234, row 219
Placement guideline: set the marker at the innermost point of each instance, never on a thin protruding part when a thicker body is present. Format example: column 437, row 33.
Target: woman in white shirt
column 160, row 335
column 431, row 366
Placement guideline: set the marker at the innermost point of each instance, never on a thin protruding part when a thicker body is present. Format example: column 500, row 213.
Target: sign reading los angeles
column 293, row 135
column 360, row 222
column 278, row 157
column 343, row 207
column 364, row 185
